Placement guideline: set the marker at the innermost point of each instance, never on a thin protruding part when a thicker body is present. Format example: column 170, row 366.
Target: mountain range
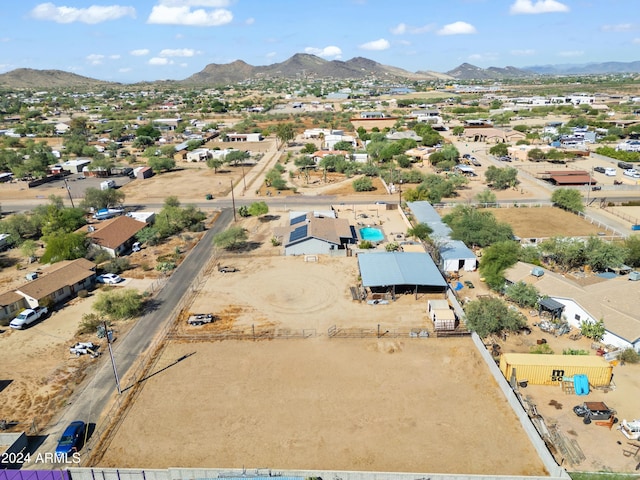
column 303, row 65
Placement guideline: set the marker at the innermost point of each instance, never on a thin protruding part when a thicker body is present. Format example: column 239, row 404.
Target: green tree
column 28, row 249
column 363, row 184
column 488, row 316
column 600, row 255
column 285, row 132
column 148, row 131
column 486, row 197
column 458, row 130
column 476, row 227
column 159, row 164
column 232, row 238
column 99, row 199
column 523, row 294
column 215, row 163
column 499, row 150
column 257, row 209
column 420, row 231
column 495, row 259
column 235, row 157
column 501, row 178
column 568, row 199
column 568, row 253
column 536, row 155
column 632, row 246
column 119, row 304
column 64, row 246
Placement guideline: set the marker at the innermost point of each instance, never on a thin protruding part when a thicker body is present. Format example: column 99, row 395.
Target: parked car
column 71, row 439
column 475, row 162
column 593, row 411
column 505, row 158
column 625, row 165
column 610, row 172
column 599, row 169
column 109, row 278
column 632, row 172
column 227, row 269
column 27, row 317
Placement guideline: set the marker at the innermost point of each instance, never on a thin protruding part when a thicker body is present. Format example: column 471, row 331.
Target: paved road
column 100, row 392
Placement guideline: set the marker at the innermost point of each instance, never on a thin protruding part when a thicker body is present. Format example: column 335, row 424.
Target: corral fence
column 379, row 332
column 629, row 218
column 237, row 334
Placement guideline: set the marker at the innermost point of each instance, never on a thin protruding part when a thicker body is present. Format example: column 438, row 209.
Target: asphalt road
column 100, row 391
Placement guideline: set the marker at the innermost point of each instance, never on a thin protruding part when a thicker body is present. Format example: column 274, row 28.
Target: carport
column 552, row 306
column 390, row 272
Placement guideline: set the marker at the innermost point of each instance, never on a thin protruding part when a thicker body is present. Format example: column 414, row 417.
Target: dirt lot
column 311, row 403
column 544, row 222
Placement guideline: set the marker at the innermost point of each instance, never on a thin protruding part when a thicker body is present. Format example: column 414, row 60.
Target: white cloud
column 196, row 3
column 380, row 44
column 523, row 53
column 457, row 28
column 178, row 52
column 621, row 27
column 114, row 57
column 571, row 53
column 403, row 28
column 160, row 61
column 528, row 7
column 250, row 21
column 636, row 41
column 399, row 29
column 327, row 52
column 271, row 55
column 140, row 52
column 5, row 39
column 483, row 57
column 183, row 15
column 91, row 15
column 95, row 58
column 125, row 69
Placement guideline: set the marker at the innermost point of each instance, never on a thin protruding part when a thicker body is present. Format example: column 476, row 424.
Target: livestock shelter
column 455, row 255
column 391, row 272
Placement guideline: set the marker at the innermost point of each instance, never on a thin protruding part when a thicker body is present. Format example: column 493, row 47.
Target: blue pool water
column 371, row 234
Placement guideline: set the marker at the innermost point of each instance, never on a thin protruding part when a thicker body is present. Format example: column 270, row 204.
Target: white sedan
column 109, row 278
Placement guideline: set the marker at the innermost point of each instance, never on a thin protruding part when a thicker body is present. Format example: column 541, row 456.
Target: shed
column 455, row 255
column 143, row 172
column 550, row 369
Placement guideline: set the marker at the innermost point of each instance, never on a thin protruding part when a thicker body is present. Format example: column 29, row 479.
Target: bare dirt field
column 380, row 405
column 544, row 222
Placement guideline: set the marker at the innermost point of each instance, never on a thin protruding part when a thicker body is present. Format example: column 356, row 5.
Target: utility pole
column 244, row 181
column 113, row 361
column 66, row 184
column 233, row 201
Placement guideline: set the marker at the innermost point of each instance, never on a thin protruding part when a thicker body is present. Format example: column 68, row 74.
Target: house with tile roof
column 115, row 236
column 61, row 282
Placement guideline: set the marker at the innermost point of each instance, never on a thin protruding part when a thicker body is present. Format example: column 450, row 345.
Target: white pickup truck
column 27, row 317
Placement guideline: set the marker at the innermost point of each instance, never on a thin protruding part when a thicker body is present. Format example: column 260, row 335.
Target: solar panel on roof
column 298, row 233
column 302, row 218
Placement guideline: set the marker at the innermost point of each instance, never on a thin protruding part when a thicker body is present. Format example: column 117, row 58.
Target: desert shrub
column 571, row 351
column 83, row 293
column 117, row 265
column 166, row 266
column 543, row 349
column 629, row 355
column 89, row 323
column 365, row 245
column 275, row 242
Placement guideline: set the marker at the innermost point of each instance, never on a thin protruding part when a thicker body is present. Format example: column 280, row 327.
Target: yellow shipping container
column 549, row 369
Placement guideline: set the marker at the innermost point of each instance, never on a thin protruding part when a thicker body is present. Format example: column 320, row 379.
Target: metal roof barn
column 389, row 269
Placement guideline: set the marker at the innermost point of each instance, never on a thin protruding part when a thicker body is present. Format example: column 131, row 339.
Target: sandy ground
column 381, row 405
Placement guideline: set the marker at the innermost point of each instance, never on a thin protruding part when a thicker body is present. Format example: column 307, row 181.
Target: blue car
column 71, row 439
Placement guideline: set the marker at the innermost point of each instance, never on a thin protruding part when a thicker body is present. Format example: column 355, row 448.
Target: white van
column 610, row 172
column 107, row 184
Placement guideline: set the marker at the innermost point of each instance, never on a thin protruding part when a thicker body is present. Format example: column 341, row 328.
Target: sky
column 144, row 40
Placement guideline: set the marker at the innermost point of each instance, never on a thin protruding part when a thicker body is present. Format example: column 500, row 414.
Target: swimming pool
column 371, row 234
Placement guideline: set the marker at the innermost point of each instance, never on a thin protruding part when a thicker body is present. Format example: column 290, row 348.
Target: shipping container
column 550, row 369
